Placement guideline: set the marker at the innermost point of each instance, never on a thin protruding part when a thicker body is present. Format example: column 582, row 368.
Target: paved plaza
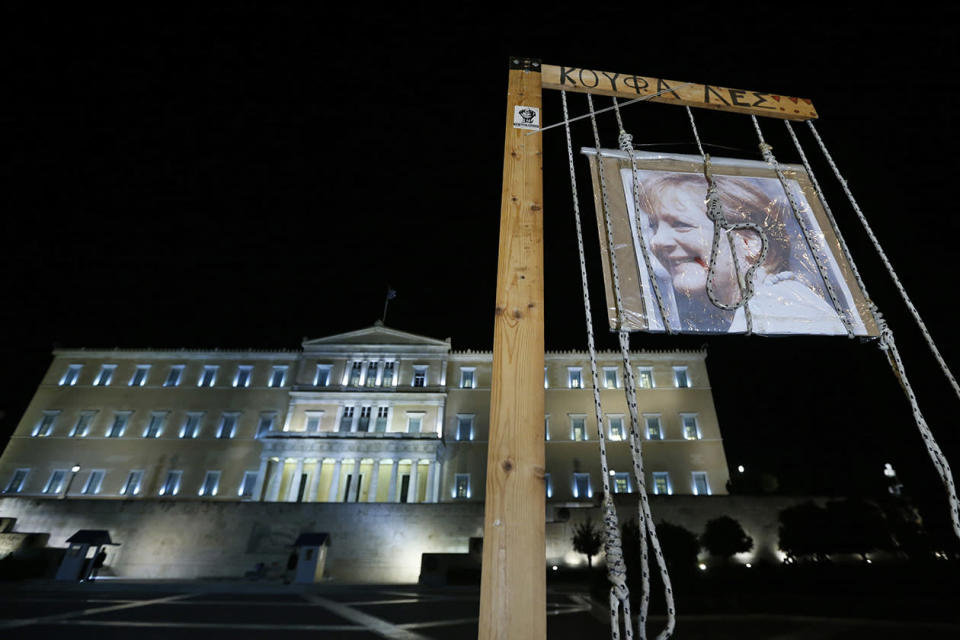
column 253, row 610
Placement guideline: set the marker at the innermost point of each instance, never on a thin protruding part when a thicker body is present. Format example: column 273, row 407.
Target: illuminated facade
column 376, row 415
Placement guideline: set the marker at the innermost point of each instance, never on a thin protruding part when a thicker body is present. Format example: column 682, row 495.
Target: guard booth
column 78, row 561
column 311, row 551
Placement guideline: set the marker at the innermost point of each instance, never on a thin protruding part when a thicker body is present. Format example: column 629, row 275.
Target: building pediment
column 377, row 335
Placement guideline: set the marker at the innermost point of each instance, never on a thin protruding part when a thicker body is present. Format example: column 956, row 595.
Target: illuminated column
column 355, row 483
column 412, row 489
column 314, row 482
column 295, row 481
column 261, row 478
column 430, row 482
column 374, row 478
column 395, row 469
column 335, row 481
column 273, row 487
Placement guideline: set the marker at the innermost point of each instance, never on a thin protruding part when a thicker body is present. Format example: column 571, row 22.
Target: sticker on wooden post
column 526, row 117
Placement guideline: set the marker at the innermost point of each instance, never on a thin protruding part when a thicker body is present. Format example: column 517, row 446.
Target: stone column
column 431, row 481
column 261, row 479
column 335, row 482
column 412, row 489
column 273, row 486
column 374, row 478
column 354, row 481
column 314, row 482
column 395, row 469
column 295, row 481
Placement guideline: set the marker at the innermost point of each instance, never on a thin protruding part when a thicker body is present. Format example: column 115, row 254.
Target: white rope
column 644, row 516
column 613, row 545
column 887, row 264
column 767, row 152
column 887, row 343
column 720, row 224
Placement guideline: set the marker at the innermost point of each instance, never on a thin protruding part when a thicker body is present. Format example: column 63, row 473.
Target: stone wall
column 369, row 542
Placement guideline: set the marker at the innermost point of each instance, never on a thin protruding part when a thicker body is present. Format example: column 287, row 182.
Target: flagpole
column 391, row 294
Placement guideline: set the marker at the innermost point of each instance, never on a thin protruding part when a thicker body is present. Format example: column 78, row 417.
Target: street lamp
column 74, row 469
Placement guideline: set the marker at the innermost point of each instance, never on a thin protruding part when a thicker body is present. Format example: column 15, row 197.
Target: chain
column 887, row 264
column 767, row 152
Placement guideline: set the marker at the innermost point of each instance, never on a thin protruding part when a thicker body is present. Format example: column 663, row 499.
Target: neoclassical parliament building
column 371, row 416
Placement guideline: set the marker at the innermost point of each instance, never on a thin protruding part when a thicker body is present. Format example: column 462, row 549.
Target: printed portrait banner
column 790, row 296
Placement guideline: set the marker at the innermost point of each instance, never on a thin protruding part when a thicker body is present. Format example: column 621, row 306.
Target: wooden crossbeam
column 704, row 96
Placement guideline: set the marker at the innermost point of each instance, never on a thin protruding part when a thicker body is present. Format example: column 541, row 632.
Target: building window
column 468, row 378
column 132, row 486
column 82, row 426
column 645, row 377
column 382, row 412
column 610, row 378
column 661, row 483
column 209, row 376
column 211, row 482
column 155, row 425
column 247, row 484
column 278, row 376
column 312, row 424
column 461, row 486
column 44, row 426
column 244, row 373
column 364, row 422
column 621, row 481
column 419, row 376
column 140, row 375
column 700, row 485
column 581, row 486
column 355, row 372
column 615, row 428
column 17, row 481
column 228, row 425
column 691, row 428
column 575, row 377
column 346, row 420
column 546, row 427
column 546, row 381
column 371, row 379
column 387, row 380
column 171, row 485
column 55, row 482
column 94, row 481
column 654, row 428
column 578, row 428
column 70, row 377
column 266, row 423
column 681, row 377
column 119, row 425
column 105, row 375
column 191, row 426
column 464, row 427
column 322, row 377
column 414, row 422
column 174, row 376
column 548, row 482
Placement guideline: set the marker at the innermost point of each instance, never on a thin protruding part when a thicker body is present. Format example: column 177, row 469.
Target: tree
column 856, row 526
column 803, row 531
column 587, row 540
column 724, row 537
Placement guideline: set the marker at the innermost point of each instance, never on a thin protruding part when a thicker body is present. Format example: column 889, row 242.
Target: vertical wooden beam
column 513, row 583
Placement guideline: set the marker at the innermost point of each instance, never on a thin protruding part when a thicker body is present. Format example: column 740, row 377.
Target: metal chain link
column 613, row 546
column 767, row 152
column 645, row 518
column 886, row 263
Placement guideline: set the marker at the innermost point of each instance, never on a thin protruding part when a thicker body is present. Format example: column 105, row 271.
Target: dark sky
column 243, row 175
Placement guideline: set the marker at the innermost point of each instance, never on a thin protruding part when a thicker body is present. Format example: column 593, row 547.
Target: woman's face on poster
column 682, row 240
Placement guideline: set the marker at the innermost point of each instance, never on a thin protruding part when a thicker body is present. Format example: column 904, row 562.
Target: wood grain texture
column 703, row 96
column 513, row 583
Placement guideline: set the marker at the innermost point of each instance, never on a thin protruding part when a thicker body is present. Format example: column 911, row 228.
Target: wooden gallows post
column 513, row 583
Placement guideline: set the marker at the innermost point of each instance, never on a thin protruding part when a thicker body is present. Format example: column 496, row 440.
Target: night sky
column 243, row 175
